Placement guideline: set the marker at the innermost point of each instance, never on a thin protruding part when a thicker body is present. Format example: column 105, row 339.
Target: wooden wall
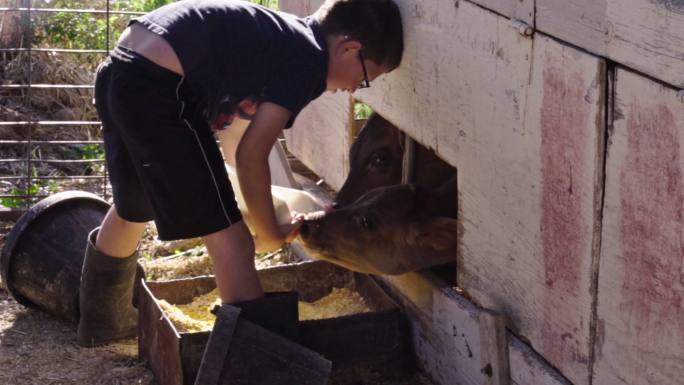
column 641, row 281
column 647, row 35
column 570, row 178
column 323, row 144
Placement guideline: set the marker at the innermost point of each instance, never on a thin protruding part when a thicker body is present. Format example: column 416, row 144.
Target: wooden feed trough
column 362, row 347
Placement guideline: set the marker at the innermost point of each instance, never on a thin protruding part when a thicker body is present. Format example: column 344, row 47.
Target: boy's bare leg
column 118, row 237
column 232, row 251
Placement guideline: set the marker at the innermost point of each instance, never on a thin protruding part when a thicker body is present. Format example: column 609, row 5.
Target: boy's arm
column 254, row 174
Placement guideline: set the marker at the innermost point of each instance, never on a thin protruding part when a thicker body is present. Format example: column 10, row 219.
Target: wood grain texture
column 299, row 7
column 319, row 137
column 528, row 368
column 522, row 10
column 641, row 280
column 463, row 67
column 455, row 341
column 646, row 35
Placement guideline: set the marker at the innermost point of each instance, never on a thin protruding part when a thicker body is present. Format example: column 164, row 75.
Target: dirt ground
column 36, row 348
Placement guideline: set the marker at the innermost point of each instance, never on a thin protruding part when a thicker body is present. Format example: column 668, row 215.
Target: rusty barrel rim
column 24, row 222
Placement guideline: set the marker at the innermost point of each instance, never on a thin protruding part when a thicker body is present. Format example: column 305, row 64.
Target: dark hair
column 376, row 24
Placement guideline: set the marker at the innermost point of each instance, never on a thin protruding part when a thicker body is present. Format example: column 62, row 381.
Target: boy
column 181, row 73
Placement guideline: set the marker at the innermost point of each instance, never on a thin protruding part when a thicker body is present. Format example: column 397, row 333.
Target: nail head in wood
column 522, row 27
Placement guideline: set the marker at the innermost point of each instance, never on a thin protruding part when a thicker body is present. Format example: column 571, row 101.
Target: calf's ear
column 438, row 233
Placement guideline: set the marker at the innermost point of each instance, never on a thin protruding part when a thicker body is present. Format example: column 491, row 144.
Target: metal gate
column 49, row 132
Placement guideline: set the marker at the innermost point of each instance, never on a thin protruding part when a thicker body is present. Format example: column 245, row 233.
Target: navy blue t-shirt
column 233, row 49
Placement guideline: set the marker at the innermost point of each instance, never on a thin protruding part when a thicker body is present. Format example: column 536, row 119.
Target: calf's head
column 389, row 230
column 375, row 160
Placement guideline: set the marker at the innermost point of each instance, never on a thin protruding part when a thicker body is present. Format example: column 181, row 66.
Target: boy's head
column 367, row 32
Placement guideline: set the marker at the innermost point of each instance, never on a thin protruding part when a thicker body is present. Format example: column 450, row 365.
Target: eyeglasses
column 365, row 83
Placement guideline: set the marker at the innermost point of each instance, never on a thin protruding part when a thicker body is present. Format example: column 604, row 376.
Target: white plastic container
column 285, row 201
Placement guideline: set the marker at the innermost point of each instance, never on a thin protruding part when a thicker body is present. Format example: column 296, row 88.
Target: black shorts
column 163, row 160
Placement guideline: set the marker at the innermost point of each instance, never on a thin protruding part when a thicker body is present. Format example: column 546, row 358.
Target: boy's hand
column 288, row 234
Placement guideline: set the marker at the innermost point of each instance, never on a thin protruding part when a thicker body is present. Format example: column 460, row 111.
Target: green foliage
column 362, row 110
column 36, row 187
column 92, row 151
column 89, row 30
column 85, row 30
column 273, row 4
column 70, row 30
column 17, row 201
column 142, row 5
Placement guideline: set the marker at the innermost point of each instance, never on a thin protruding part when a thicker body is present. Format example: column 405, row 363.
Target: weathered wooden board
column 455, row 341
column 463, row 68
column 528, row 368
column 522, row 10
column 641, row 280
column 319, row 137
column 523, row 123
column 580, row 22
column 529, row 225
column 281, row 173
column 300, row 7
column 647, row 35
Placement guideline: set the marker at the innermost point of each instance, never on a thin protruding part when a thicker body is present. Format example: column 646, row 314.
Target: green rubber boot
column 106, row 297
column 276, row 311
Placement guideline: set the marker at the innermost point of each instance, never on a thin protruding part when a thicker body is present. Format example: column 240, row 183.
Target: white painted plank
column 529, row 203
column 462, row 67
column 641, row 280
column 299, row 7
column 524, row 128
column 528, row 368
column 522, row 10
column 580, row 22
column 646, row 35
column 455, row 341
column 319, row 137
column 281, row 173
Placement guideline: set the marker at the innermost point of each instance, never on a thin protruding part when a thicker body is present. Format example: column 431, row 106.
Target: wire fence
column 50, row 136
column 49, row 132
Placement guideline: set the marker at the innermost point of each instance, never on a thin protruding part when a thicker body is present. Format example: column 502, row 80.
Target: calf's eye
column 367, row 223
column 378, row 161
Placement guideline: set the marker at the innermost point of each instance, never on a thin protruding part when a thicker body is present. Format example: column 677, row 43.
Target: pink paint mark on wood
column 652, row 228
column 565, row 233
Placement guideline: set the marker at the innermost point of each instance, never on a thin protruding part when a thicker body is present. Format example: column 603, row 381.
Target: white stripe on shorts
column 206, row 161
column 180, row 114
column 213, row 178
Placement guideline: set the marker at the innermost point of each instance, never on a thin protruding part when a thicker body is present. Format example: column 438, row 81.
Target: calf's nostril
column 304, row 229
